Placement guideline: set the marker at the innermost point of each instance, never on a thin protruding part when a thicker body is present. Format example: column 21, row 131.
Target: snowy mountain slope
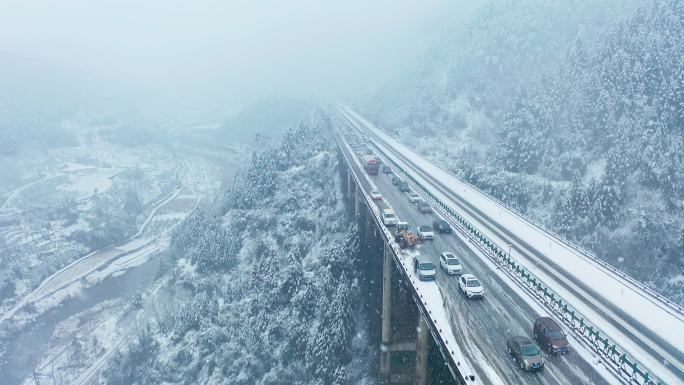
column 474, row 70
column 263, row 291
column 591, row 146
column 610, row 120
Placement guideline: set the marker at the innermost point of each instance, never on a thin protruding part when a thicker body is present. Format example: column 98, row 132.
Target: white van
column 424, row 268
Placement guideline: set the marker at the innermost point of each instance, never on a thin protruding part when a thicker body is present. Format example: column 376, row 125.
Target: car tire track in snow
column 575, row 371
column 482, row 326
column 661, row 356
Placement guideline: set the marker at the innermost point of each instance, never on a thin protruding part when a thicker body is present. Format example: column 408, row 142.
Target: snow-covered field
column 48, row 255
column 77, row 342
column 68, row 188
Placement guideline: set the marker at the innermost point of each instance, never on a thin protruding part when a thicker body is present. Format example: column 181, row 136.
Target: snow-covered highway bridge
column 620, row 330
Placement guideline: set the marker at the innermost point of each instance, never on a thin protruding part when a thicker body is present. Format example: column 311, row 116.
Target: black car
column 441, row 226
column 386, row 169
column 396, row 180
column 424, row 207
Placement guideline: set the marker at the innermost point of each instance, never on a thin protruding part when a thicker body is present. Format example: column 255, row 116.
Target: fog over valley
column 459, row 192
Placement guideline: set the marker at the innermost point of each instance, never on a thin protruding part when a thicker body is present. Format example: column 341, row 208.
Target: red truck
column 371, row 165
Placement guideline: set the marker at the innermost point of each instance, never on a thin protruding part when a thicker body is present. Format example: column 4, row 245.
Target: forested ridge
column 263, row 288
column 609, row 123
column 592, row 146
column 468, row 77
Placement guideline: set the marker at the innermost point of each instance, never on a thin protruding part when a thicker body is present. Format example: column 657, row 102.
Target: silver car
column 424, row 268
column 413, row 197
column 425, row 232
column 525, row 353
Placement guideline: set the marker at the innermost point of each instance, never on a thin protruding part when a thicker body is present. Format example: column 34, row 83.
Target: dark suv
column 424, row 207
column 525, row 353
column 550, row 336
column 442, row 226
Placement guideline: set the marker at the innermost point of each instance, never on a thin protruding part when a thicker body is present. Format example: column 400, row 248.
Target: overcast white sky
column 207, row 53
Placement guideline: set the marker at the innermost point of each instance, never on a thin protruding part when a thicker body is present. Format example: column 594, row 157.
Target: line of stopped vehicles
column 523, row 350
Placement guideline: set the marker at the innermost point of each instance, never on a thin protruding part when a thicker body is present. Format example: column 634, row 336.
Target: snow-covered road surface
column 479, row 328
column 576, row 277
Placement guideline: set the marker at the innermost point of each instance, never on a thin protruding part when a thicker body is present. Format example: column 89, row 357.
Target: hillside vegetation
column 465, row 82
column 263, row 289
column 609, row 121
column 592, row 146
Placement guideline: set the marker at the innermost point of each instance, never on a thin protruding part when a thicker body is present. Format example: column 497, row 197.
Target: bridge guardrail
column 569, row 243
column 627, row 368
column 457, row 360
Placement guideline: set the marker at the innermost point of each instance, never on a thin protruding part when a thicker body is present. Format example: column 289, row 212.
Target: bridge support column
column 350, row 185
column 357, row 202
column 421, row 351
column 385, row 352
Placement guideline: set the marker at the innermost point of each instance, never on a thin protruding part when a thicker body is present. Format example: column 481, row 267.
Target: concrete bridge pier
column 357, row 202
column 404, row 333
column 385, row 352
column 421, row 351
column 404, row 337
column 406, row 346
column 351, row 185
